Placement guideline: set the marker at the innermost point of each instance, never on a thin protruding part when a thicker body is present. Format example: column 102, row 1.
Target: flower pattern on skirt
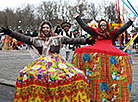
column 51, row 79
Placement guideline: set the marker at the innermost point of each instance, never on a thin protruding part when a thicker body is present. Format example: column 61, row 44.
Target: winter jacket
column 42, row 46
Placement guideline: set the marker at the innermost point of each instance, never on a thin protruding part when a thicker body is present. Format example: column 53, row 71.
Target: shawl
column 106, row 34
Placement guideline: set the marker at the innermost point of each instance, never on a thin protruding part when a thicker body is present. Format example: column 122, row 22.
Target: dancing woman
column 108, row 69
column 50, row 78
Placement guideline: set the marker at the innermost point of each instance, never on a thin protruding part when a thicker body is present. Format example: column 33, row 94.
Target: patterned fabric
column 103, row 34
column 110, row 74
column 51, row 79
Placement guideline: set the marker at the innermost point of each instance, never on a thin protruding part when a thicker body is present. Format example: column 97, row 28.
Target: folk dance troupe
column 99, row 72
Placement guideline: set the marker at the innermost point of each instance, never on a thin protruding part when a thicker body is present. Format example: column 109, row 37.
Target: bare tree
column 92, row 11
column 28, row 17
column 7, row 17
column 56, row 12
column 110, row 12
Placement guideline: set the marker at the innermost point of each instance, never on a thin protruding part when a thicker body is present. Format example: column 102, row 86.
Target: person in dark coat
column 58, row 29
column 35, row 33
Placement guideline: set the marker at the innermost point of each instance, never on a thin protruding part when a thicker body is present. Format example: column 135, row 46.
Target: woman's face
column 103, row 26
column 46, row 29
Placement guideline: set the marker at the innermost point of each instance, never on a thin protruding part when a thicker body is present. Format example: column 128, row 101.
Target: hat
column 65, row 24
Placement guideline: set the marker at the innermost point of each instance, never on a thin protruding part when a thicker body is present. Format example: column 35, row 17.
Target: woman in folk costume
column 108, row 69
column 50, row 78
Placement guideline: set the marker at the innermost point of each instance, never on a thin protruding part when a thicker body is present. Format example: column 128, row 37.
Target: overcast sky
column 13, row 4
column 18, row 3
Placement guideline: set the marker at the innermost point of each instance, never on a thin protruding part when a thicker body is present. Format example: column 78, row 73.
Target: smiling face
column 103, row 26
column 46, row 29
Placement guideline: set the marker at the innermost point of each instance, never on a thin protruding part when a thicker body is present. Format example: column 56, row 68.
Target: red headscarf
column 107, row 32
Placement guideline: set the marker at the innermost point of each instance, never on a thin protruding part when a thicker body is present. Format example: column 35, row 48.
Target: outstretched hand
column 75, row 15
column 5, row 30
column 133, row 18
column 90, row 41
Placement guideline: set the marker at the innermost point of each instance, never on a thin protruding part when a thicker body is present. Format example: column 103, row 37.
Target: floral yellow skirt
column 51, row 79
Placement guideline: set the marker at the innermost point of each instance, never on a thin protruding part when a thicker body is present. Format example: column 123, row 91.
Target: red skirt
column 108, row 69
